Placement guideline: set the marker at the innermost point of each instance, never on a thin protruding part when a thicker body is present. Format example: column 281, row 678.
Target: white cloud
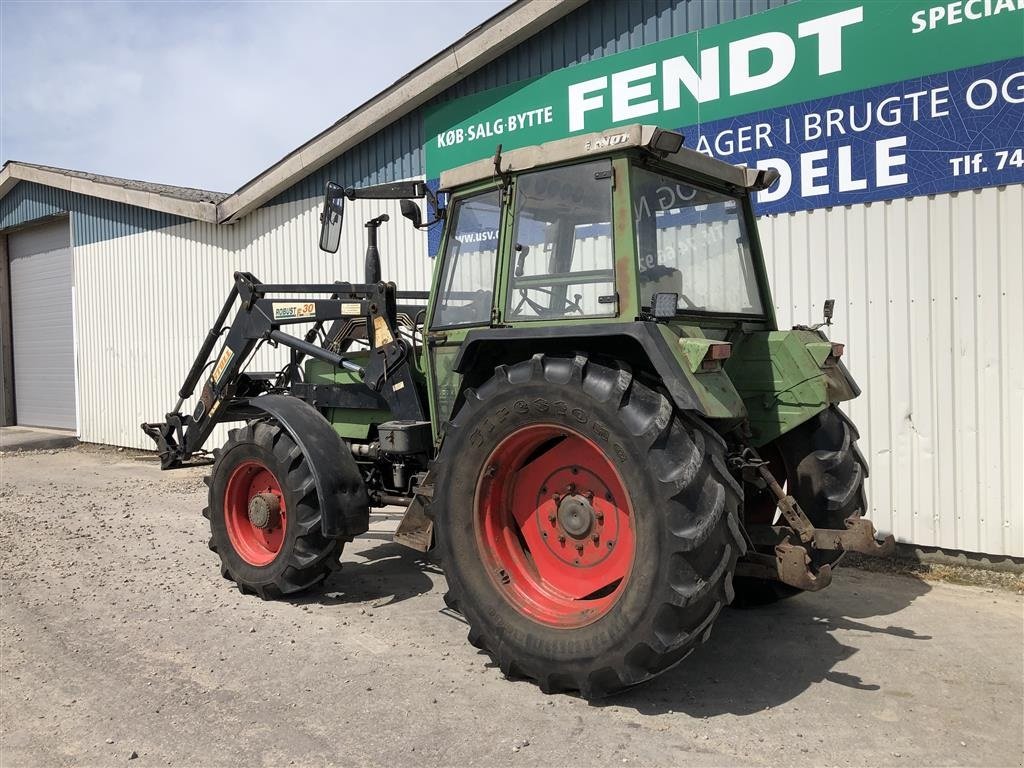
column 201, row 94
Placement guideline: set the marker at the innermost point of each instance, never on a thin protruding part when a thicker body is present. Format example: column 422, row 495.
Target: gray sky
column 201, row 94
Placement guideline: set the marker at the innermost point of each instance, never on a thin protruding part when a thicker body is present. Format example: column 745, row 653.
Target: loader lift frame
column 225, row 396
column 367, row 312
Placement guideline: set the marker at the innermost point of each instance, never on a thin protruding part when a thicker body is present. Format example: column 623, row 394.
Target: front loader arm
column 227, row 393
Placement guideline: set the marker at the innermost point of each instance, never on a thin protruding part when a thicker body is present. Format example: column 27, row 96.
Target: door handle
column 436, row 339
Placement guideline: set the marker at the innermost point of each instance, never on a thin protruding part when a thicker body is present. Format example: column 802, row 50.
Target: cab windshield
column 692, row 242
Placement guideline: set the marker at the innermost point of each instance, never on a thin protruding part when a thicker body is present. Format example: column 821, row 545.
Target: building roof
column 499, row 34
column 189, row 202
column 167, row 190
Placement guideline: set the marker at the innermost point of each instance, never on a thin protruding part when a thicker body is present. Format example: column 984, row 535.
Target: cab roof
column 641, row 137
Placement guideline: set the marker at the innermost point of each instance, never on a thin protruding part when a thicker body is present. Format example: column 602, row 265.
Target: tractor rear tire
column 272, row 545
column 825, row 473
column 588, row 530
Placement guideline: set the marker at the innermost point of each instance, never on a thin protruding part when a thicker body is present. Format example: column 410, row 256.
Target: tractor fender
column 339, row 485
column 641, row 341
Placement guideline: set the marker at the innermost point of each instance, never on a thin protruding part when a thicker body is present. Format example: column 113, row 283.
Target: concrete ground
column 35, row 438
column 119, row 638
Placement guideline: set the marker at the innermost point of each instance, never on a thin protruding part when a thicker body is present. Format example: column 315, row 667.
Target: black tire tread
column 312, row 556
column 700, row 500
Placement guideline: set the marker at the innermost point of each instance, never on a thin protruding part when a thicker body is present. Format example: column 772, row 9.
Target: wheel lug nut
column 579, row 548
column 561, row 538
column 590, row 495
column 552, row 518
column 557, row 498
column 596, row 538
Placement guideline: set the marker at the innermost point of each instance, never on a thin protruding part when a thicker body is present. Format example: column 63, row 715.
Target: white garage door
column 42, row 325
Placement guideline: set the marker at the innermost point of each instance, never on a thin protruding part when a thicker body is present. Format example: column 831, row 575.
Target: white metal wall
column 930, row 301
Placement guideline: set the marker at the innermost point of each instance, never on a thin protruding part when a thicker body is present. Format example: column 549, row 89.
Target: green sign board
column 806, row 51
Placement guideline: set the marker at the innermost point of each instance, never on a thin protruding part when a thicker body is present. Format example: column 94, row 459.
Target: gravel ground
column 122, row 644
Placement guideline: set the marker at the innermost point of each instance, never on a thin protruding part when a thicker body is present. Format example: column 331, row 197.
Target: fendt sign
column 850, row 101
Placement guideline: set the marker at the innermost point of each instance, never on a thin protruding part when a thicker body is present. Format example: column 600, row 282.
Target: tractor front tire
column 824, row 471
column 264, row 514
column 588, row 531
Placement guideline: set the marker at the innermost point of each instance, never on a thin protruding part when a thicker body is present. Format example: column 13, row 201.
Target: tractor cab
column 625, row 238
column 594, row 227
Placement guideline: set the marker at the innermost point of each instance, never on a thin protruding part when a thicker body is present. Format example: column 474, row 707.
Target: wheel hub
column 263, row 509
column 576, row 516
column 555, row 525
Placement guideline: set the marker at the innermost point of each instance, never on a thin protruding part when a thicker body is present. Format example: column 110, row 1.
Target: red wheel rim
column 554, row 525
column 256, row 529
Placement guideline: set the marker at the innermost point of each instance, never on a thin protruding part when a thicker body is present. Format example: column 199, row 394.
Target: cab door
column 464, row 295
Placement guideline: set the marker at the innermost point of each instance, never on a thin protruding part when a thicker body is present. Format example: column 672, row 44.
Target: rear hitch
column 794, row 543
column 790, row 561
column 859, row 537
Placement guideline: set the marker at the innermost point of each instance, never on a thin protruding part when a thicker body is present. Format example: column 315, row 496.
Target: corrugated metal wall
column 92, row 219
column 930, row 301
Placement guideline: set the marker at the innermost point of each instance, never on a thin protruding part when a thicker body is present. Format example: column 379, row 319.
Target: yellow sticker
column 381, row 332
column 290, row 310
column 351, row 309
column 222, row 363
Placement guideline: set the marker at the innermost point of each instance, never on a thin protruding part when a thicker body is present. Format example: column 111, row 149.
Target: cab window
column 563, row 260
column 693, row 242
column 467, row 277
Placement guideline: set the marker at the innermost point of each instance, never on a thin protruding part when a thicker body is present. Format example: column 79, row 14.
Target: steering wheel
column 470, row 312
column 573, row 304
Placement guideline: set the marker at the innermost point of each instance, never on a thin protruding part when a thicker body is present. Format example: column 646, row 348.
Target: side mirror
column 331, row 217
column 766, row 177
column 411, row 211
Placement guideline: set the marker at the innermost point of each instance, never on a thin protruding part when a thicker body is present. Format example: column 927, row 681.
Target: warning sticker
column 381, row 332
column 351, row 309
column 222, row 363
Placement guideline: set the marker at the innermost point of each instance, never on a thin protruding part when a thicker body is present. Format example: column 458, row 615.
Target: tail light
column 702, row 355
column 715, row 355
column 826, row 353
column 834, row 355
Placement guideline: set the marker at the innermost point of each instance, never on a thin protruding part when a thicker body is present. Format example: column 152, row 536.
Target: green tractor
column 592, row 416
